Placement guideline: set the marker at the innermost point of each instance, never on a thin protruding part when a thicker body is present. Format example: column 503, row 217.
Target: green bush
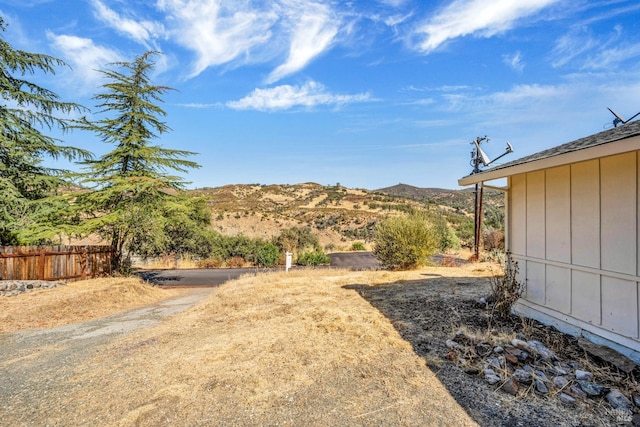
column 358, row 246
column 313, row 258
column 268, row 255
column 405, row 242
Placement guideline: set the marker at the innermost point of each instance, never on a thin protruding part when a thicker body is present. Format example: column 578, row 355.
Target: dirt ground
column 318, row 347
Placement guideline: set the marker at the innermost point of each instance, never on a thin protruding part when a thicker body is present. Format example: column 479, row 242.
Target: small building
column 573, row 226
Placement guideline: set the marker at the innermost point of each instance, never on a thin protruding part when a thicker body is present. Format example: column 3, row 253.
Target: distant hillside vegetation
column 338, row 215
column 457, row 199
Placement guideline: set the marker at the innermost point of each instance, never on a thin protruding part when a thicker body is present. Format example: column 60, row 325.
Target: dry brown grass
column 297, row 348
column 77, row 302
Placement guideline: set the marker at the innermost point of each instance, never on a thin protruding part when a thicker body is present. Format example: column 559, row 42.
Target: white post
column 288, row 261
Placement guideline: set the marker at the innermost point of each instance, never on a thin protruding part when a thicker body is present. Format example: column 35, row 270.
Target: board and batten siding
column 574, row 231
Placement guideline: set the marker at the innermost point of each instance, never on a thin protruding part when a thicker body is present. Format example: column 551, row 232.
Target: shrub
column 236, row 262
column 358, row 246
column 505, row 289
column 313, row 258
column 493, row 238
column 210, row 263
column 268, row 255
column 405, row 242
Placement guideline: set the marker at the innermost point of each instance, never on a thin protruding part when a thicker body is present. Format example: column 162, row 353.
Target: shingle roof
column 616, row 134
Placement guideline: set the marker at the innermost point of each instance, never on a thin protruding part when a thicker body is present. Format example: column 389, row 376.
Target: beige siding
column 536, row 282
column 558, row 212
column 517, row 219
column 618, row 213
column 585, row 297
column 558, row 288
column 574, row 231
column 535, row 214
column 619, row 300
column 585, row 214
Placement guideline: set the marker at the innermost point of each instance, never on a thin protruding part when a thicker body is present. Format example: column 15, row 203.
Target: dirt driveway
column 34, row 364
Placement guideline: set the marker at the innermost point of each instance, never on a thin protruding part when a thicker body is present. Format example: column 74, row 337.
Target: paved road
column 218, row 276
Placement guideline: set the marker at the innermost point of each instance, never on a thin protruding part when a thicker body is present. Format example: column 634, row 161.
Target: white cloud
column 475, row 17
column 85, row 58
column 219, row 32
column 583, row 50
column 314, row 29
column 285, row 97
column 514, row 61
column 142, row 32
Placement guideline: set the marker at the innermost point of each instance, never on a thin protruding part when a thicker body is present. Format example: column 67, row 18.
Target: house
column 573, row 226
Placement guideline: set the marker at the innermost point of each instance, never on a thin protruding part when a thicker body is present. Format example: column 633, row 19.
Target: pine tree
column 26, row 110
column 130, row 184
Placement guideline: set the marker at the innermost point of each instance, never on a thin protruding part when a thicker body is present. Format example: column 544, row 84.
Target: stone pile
column 10, row 288
column 520, row 366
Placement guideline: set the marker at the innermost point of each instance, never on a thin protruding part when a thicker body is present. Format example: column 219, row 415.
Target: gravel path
column 37, row 364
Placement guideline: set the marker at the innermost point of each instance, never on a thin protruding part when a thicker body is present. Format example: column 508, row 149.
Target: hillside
column 338, row 215
column 458, row 199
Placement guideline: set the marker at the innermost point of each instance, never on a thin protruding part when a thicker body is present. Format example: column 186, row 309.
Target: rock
column 522, row 345
column 482, row 301
column 635, row 420
column 607, row 354
column 592, row 389
column 495, row 362
column 540, row 350
column 576, row 391
column 541, row 376
column 511, row 359
column 3, row 286
column 618, row 400
column 541, row 387
column 490, row 376
column 636, row 399
column 560, row 382
column 522, row 376
column 559, row 370
column 510, row 386
column 565, row 398
column 498, row 350
column 583, row 375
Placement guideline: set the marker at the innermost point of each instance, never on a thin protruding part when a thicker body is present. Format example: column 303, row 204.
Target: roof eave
column 607, row 149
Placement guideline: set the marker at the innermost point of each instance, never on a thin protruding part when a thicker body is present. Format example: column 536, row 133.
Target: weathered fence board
column 54, row 262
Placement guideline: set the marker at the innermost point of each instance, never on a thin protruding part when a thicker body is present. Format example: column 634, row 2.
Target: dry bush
column 493, row 239
column 236, row 262
column 449, row 261
column 210, row 263
column 505, row 289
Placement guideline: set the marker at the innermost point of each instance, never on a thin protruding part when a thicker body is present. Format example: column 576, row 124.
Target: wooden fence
column 54, row 262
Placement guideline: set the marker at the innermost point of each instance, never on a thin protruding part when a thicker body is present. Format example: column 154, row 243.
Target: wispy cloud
column 475, row 17
column 514, row 61
column 285, row 97
column 142, row 31
column 313, row 32
column 218, row 32
column 85, row 58
column 581, row 49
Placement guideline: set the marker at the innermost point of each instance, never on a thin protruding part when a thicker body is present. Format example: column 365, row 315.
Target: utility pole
column 479, row 158
column 476, row 160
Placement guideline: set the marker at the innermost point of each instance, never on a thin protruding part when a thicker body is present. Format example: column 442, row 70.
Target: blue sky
column 365, row 93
